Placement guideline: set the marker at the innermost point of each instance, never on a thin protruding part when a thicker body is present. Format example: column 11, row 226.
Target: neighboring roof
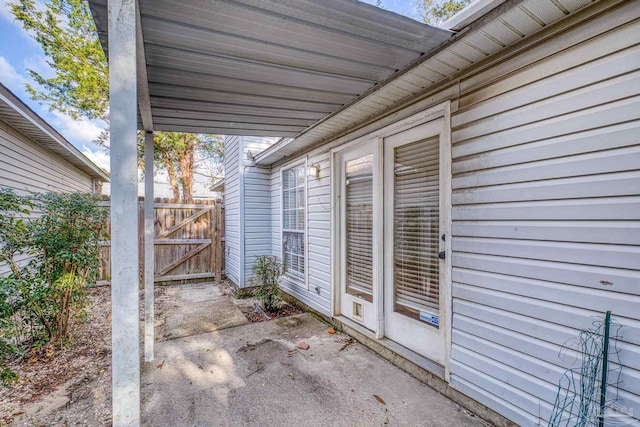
column 483, row 32
column 472, row 12
column 265, row 67
column 218, row 186
column 17, row 114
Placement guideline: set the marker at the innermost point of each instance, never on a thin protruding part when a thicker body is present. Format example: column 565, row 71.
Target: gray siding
column 546, row 213
column 232, row 207
column 256, row 215
column 546, row 157
column 26, row 167
column 316, row 292
column 276, row 214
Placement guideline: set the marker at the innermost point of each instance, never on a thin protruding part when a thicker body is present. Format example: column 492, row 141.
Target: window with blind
column 359, row 227
column 416, row 228
column 293, row 219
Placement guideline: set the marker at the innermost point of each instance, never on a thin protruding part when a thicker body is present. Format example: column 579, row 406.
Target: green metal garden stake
column 605, row 368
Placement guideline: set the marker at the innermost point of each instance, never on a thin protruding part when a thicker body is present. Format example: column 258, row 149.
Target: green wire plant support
column 581, row 400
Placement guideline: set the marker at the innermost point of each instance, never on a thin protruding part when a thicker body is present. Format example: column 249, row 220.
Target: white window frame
column 296, row 280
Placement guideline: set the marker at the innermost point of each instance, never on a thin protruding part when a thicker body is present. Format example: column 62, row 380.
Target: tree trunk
column 187, row 160
column 173, row 179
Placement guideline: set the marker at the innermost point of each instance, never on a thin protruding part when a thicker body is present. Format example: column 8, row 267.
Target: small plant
column 267, row 270
column 40, row 300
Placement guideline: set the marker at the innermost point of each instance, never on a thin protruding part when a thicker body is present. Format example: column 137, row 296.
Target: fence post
column 213, row 212
column 218, row 235
column 148, row 251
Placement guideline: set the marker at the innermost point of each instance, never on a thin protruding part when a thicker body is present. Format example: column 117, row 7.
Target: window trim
column 300, row 282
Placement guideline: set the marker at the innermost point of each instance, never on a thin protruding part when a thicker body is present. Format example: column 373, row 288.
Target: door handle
column 442, row 255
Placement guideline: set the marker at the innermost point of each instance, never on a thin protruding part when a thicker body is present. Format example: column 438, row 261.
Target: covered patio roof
column 263, row 67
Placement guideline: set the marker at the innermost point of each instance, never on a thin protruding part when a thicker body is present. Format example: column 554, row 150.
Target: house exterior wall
column 27, row 167
column 545, row 213
column 316, row 292
column 247, row 201
column 256, row 215
column 232, row 147
column 546, row 178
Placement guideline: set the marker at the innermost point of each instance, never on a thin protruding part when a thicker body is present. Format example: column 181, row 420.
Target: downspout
column 241, row 243
column 246, row 161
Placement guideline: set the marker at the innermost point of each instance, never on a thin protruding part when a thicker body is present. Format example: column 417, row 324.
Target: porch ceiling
column 265, row 67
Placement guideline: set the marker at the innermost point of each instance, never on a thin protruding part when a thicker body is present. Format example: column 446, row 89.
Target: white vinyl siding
column 232, row 218
column 319, row 234
column 256, row 215
column 247, row 213
column 546, row 210
column 317, row 293
column 26, row 167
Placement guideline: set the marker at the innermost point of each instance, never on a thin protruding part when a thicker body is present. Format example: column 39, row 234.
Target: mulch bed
column 256, row 316
column 250, row 306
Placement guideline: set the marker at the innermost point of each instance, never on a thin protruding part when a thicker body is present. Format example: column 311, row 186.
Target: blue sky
column 402, row 7
column 19, row 52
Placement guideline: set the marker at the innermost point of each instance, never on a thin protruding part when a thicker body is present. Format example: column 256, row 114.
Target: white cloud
column 100, row 157
column 5, row 14
column 5, row 11
column 38, row 63
column 76, row 131
column 10, row 77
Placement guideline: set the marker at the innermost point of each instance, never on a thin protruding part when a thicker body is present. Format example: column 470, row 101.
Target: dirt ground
column 72, row 385
column 67, row 386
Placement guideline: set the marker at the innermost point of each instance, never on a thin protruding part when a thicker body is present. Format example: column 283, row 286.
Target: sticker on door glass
column 430, row 318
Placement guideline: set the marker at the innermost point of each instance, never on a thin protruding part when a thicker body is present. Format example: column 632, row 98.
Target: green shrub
column 267, row 270
column 40, row 300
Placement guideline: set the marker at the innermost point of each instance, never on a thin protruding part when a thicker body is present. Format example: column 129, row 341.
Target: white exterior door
column 359, row 229
column 416, row 217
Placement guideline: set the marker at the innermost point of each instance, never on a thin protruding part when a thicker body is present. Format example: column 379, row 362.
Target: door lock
column 441, row 255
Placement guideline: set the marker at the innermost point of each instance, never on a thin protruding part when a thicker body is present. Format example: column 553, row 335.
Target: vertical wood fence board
column 185, row 236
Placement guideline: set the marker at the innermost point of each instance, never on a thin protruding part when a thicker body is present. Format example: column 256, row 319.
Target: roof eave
column 471, row 13
column 68, row 151
column 472, row 19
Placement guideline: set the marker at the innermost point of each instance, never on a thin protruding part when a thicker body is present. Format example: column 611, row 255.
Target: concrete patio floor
column 239, row 374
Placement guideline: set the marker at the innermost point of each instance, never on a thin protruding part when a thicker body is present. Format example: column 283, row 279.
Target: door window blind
column 359, row 227
column 416, row 228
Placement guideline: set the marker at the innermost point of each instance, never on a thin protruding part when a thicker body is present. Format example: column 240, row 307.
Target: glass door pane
column 416, row 218
column 359, row 227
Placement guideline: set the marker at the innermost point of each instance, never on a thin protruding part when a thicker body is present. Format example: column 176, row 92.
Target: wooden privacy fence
column 188, row 243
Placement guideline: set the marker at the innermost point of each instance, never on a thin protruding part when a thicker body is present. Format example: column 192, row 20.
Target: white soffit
column 513, row 21
column 267, row 67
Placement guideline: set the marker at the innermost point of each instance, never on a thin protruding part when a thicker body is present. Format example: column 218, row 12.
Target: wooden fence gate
column 188, row 243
